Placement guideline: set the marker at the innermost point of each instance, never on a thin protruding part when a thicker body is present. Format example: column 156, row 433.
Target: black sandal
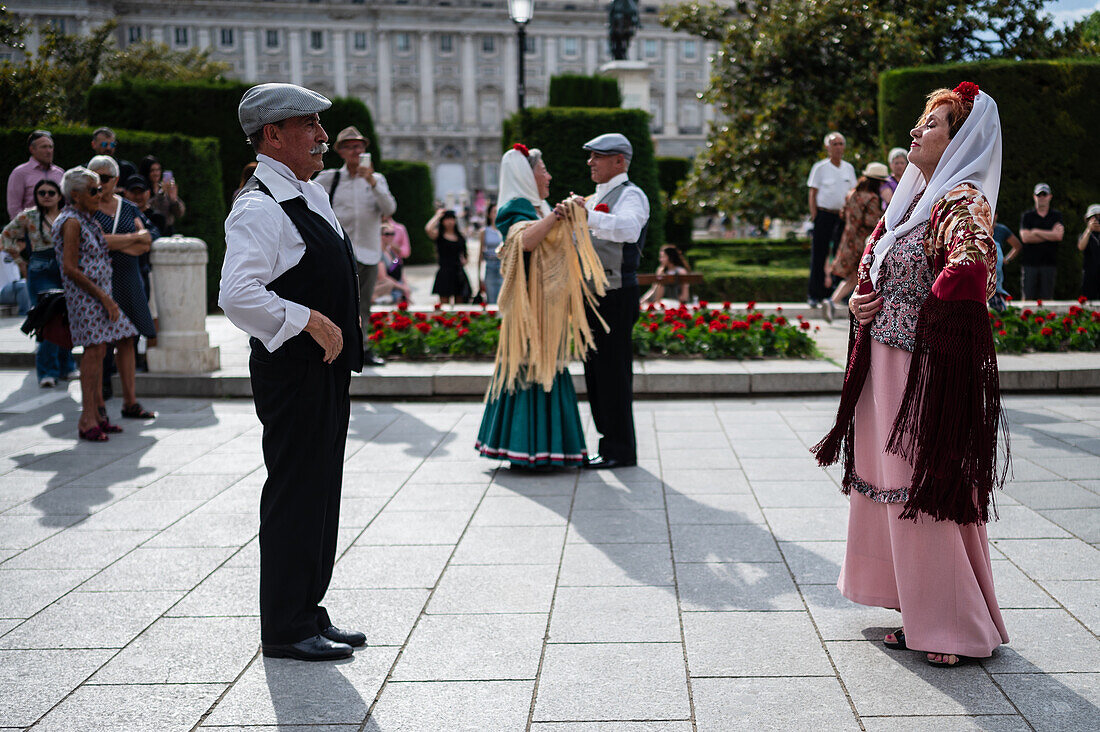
column 961, row 660
column 899, row 641
column 136, row 411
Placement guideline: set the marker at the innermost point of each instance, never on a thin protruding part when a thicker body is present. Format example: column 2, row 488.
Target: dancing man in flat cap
column 289, row 281
column 618, row 216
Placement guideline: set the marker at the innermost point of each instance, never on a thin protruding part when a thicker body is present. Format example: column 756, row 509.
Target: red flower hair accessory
column 967, row 91
column 523, row 149
column 602, row 208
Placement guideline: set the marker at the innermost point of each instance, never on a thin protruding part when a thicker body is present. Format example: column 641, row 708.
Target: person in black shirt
column 1089, row 243
column 1040, row 230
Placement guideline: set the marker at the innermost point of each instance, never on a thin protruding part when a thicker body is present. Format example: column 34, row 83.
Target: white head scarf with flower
column 973, row 156
column 517, row 179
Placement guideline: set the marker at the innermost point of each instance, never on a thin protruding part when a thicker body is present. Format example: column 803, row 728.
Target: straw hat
column 878, row 171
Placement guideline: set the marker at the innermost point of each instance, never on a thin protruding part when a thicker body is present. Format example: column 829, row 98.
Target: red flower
column 1047, row 331
column 1026, row 313
column 653, row 327
column 750, row 304
column 522, row 149
column 778, row 308
column 726, row 305
column 423, row 327
column 1067, row 321
column 602, row 208
column 1002, row 332
column 403, row 305
column 463, row 331
column 781, row 320
column 805, row 325
column 1039, row 303
column 967, row 91
column 1082, row 299
column 703, row 304
column 998, row 324
column 766, row 326
column 650, row 308
column 679, row 336
column 1082, row 329
column 438, row 306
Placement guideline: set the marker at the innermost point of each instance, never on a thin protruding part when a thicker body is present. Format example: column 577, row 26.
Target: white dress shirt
column 360, row 209
column 626, row 221
column 832, row 182
column 261, row 244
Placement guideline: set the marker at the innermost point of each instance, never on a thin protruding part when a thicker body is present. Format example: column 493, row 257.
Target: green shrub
column 775, row 252
column 577, row 90
column 1048, row 113
column 411, row 185
column 193, row 160
column 207, row 110
column 751, row 282
column 561, row 132
column 678, row 224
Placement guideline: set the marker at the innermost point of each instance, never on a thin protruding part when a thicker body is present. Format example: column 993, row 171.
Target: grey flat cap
column 610, row 144
column 269, row 103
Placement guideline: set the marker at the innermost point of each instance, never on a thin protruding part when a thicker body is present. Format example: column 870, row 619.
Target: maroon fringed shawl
column 950, row 413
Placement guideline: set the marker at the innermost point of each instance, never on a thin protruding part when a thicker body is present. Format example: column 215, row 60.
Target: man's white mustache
column 319, row 149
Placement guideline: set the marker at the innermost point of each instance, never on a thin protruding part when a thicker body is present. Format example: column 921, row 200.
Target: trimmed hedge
column 678, row 224
column 411, row 185
column 193, row 160
column 752, row 282
column 578, row 90
column 1048, row 115
column 561, row 132
column 207, row 109
column 774, row 252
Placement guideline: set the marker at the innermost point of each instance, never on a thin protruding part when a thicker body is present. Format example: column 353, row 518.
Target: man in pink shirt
column 24, row 177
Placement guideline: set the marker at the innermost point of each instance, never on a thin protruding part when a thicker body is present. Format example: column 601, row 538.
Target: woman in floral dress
column 862, row 210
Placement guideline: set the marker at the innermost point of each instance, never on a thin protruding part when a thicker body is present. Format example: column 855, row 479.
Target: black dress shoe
column 350, row 637
column 317, row 648
column 369, row 359
column 597, row 462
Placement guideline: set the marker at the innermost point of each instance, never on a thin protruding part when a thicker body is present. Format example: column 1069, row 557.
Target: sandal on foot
column 93, row 434
column 898, row 644
column 108, row 427
column 959, row 660
column 136, row 411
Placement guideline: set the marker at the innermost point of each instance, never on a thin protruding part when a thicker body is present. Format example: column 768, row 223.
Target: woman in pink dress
column 920, row 409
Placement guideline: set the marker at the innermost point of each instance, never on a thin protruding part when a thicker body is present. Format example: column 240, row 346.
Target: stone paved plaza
column 694, row 592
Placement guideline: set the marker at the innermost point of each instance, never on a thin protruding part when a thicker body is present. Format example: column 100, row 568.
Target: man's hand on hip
column 327, row 335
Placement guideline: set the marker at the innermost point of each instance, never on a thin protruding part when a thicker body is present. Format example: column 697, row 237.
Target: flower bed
column 1021, row 331
column 659, row 332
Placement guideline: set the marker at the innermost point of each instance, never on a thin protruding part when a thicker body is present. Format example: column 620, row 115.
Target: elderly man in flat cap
column 289, row 281
column 618, row 217
column 360, row 197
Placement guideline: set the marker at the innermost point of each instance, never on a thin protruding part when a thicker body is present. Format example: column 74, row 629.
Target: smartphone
column 168, row 176
column 365, row 160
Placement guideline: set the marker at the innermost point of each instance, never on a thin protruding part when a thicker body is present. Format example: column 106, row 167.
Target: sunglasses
column 47, row 193
column 1043, row 194
column 104, row 177
column 387, row 233
column 94, row 191
column 108, row 145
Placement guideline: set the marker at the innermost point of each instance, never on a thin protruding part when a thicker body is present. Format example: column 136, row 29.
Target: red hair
column 959, row 101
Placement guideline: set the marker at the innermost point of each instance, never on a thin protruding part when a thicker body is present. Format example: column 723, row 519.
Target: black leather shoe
column 597, row 462
column 369, row 359
column 317, row 648
column 350, row 637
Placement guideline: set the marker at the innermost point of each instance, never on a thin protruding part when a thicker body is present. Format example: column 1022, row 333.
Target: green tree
column 788, row 71
column 153, row 61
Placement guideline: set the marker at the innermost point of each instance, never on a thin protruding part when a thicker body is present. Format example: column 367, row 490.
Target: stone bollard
column 179, row 274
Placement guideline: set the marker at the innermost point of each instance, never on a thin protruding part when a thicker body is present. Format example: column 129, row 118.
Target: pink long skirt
column 937, row 573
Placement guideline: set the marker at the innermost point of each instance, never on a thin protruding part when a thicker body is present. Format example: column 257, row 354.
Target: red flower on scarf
column 523, row 149
column 967, row 91
column 602, row 208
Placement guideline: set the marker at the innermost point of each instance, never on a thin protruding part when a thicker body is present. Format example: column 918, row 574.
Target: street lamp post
column 521, row 11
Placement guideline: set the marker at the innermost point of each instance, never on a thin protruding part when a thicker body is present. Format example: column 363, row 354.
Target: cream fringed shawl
column 542, row 311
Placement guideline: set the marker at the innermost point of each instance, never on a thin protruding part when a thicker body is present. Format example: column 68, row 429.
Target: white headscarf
column 973, row 156
column 517, row 180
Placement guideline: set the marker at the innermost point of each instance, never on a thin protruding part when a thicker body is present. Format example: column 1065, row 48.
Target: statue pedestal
column 183, row 345
column 633, row 78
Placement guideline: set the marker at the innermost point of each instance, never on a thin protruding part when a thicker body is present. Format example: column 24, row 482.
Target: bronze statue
column 624, row 20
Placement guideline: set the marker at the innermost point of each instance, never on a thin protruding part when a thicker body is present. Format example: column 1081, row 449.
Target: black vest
column 325, row 280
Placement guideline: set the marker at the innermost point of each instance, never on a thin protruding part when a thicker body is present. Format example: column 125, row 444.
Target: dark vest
column 324, row 280
column 620, row 259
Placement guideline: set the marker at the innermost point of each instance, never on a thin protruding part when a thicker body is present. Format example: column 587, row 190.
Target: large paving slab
column 696, row 591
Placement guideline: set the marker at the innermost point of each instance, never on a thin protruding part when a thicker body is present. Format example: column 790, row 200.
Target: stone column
column 340, row 62
column 183, row 345
column 670, row 128
column 511, row 74
column 550, row 51
column 294, row 41
column 251, row 63
column 469, row 81
column 156, row 34
column 709, row 50
column 427, row 80
column 591, row 55
column 385, row 80
column 202, row 38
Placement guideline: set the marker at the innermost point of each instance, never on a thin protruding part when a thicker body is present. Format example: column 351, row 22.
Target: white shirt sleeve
column 387, row 204
column 811, row 180
column 626, row 222
column 256, row 253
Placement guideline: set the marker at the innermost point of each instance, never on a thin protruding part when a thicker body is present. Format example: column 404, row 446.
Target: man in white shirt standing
column 360, row 197
column 289, row 281
column 829, row 182
column 618, row 217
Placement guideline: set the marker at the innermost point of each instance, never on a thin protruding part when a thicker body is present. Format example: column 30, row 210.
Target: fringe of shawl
column 542, row 311
column 840, row 440
column 950, row 414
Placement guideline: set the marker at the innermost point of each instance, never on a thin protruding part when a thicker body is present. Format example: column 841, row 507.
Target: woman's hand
column 865, row 307
column 561, row 210
column 111, row 307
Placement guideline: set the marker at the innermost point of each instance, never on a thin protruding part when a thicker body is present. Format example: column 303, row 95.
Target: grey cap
column 1041, row 188
column 610, row 144
column 269, row 103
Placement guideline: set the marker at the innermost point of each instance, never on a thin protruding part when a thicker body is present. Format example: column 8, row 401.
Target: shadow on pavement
column 304, row 693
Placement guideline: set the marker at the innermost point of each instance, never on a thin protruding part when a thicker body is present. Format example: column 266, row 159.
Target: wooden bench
column 674, row 280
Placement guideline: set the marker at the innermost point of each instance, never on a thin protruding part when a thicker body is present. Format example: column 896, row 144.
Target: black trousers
column 827, row 230
column 304, row 407
column 609, row 374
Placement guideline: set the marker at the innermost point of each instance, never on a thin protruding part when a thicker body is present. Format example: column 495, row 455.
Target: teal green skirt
column 534, row 427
